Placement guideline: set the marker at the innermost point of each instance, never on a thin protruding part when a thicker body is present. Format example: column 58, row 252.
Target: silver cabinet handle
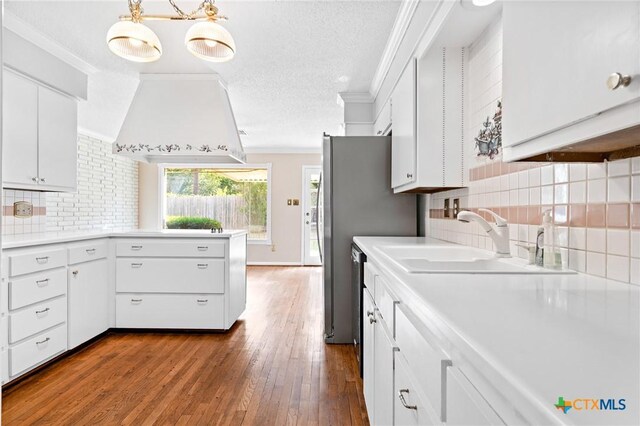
column 91, row 251
column 616, row 80
column 369, row 313
column 203, row 248
column 43, row 311
column 203, row 265
column 372, row 320
column 401, row 393
column 409, row 175
column 42, row 283
column 75, row 273
column 42, row 260
column 35, row 179
column 42, row 180
column 136, row 265
column 202, row 300
column 136, row 248
column 136, row 300
column 43, row 341
column 379, row 132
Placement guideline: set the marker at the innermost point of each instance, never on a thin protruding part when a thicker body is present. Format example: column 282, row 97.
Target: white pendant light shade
column 134, row 41
column 210, row 41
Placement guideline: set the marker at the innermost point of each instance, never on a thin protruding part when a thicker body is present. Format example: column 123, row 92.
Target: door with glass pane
column 310, row 215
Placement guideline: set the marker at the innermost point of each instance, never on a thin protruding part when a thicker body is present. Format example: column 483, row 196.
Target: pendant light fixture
column 207, row 40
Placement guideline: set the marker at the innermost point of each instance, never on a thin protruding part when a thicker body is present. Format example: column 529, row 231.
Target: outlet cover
column 22, row 209
column 456, row 207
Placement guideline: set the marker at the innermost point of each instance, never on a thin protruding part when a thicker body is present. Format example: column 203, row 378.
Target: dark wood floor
column 271, row 368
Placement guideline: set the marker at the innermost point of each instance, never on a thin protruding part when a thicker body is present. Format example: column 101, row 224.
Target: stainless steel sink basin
column 458, row 260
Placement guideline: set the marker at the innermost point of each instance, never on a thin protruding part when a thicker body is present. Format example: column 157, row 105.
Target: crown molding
column 400, row 26
column 32, row 35
column 354, row 98
column 82, row 131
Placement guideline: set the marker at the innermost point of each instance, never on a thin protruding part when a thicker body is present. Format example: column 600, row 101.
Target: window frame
column 162, row 189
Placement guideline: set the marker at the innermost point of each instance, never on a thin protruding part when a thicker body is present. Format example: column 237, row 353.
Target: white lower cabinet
column 409, row 405
column 88, row 301
column 204, row 311
column 368, row 338
column 464, row 404
column 384, row 348
column 36, row 318
column 37, row 349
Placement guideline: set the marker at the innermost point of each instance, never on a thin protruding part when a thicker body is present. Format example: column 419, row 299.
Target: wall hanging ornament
column 489, row 139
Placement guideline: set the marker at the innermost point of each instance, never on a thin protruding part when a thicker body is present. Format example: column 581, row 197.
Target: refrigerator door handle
column 318, row 214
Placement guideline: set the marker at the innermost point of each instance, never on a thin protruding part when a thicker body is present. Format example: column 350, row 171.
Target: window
column 235, row 196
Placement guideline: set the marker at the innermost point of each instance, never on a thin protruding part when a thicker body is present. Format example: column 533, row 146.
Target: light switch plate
column 296, row 202
column 22, row 209
column 456, row 207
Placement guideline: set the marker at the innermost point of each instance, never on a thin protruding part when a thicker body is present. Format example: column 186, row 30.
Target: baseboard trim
column 274, row 264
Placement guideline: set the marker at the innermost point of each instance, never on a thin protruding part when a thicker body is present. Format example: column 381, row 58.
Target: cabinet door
column 88, row 301
column 383, row 364
column 383, row 122
column 57, row 140
column 20, row 132
column 368, row 337
column 410, row 407
column 464, row 404
column 557, row 57
column 403, row 137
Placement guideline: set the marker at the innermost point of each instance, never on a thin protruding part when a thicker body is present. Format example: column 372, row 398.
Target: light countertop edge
column 46, row 238
column 485, row 337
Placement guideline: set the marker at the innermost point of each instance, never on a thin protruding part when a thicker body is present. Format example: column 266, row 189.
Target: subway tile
column 560, row 214
column 523, row 179
column 597, row 191
column 534, row 196
column 546, row 175
column 635, row 165
column 618, row 189
column 577, row 172
column 534, row 177
column 561, row 172
column 635, row 188
column 513, row 181
column 562, row 236
column 578, row 192
column 619, row 167
column 635, row 243
column 618, row 242
column 546, row 194
column 523, row 197
column 578, row 215
column 635, row 271
column 596, row 264
column 596, row 215
column 618, row 215
column 578, row 238
column 534, row 216
column 635, row 216
column 618, row 268
column 561, row 194
column 596, row 240
column 596, row 170
column 578, row 260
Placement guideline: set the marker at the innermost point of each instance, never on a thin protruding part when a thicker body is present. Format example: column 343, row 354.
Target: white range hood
column 180, row 118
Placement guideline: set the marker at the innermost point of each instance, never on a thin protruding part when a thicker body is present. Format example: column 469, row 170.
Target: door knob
column 616, row 80
column 307, row 222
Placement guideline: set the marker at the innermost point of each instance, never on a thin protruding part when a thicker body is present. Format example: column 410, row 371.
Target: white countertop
column 537, row 337
column 26, row 240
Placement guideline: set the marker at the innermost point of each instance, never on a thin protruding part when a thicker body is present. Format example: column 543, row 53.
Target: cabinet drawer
column 386, row 302
column 86, row 252
column 141, row 275
column 424, row 358
column 169, row 311
column 152, row 248
column 26, row 263
column 464, row 404
column 37, row 349
column 36, row 288
column 35, row 318
column 410, row 406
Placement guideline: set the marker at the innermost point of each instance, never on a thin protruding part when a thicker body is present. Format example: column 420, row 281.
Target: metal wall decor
column 489, row 139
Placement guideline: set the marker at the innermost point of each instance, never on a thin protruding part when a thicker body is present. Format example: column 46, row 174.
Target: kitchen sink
column 458, row 260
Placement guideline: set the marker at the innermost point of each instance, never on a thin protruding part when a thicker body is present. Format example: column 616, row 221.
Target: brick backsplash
column 596, row 208
column 107, row 196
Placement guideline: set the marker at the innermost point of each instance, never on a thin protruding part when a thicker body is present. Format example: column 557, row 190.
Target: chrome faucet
column 498, row 233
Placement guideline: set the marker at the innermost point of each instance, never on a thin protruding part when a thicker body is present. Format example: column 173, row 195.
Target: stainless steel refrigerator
column 356, row 199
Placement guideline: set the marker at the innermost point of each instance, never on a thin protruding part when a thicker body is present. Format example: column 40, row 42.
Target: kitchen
column 180, row 243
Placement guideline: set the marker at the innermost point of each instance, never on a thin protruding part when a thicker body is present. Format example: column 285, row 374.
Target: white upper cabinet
column 428, row 130
column 557, row 59
column 403, row 140
column 382, row 125
column 39, row 137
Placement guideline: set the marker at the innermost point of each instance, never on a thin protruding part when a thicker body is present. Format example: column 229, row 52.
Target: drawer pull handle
column 372, row 320
column 136, row 248
column 369, row 313
column 43, row 311
column 401, row 393
column 42, row 260
column 42, row 283
column 136, row 265
column 42, row 342
column 136, row 300
column 203, row 248
column 202, row 300
column 203, row 265
column 91, row 251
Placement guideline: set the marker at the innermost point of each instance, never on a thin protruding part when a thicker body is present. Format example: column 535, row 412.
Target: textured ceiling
column 293, row 57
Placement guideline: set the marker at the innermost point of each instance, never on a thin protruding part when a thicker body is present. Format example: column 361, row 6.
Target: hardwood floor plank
column 271, row 368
